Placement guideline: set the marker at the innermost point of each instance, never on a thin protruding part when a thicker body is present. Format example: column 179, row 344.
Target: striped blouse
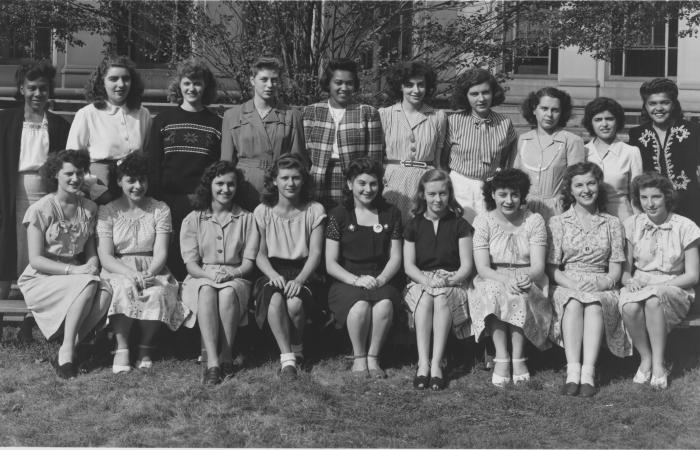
column 476, row 146
column 420, row 141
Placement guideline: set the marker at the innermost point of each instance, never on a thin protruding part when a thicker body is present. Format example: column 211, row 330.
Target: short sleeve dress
column 584, row 255
column 364, row 250
column 287, row 240
column 49, row 297
column 134, row 238
column 421, row 141
column 510, row 254
column 659, row 255
column 217, row 247
column 437, row 255
column 565, row 149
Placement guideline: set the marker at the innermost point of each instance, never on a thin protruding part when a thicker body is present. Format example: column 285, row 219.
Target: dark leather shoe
column 65, row 371
column 437, row 383
column 570, row 389
column 421, row 382
column 587, row 390
column 288, row 373
column 227, row 370
column 212, row 375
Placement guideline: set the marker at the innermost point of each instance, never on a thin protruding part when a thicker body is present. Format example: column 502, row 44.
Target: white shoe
column 523, row 377
column 498, row 380
column 641, row 377
column 659, row 382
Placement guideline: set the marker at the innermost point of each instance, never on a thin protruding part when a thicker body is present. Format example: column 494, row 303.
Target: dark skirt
column 342, row 296
column 289, row 269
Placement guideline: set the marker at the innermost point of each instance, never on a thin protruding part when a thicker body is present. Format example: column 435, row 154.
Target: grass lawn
column 326, row 407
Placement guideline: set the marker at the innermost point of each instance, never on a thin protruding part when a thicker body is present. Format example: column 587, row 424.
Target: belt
column 511, row 266
column 410, row 163
column 583, row 267
column 255, row 163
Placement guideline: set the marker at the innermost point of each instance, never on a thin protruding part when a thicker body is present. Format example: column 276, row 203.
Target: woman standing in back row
column 257, row 132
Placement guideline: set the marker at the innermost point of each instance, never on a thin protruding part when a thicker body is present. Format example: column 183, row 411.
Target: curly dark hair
column 31, row 70
column 514, row 179
column 338, row 64
column 95, row 88
column 133, row 165
column 472, row 77
column 401, row 73
column 270, row 194
column 203, row 197
column 194, row 70
column 266, row 63
column 660, row 86
column 599, row 105
column 419, row 204
column 527, row 109
column 367, row 166
column 583, row 168
column 54, row 163
column 653, row 179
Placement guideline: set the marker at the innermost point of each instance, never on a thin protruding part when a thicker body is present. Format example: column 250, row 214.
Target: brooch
column 351, row 227
column 378, row 227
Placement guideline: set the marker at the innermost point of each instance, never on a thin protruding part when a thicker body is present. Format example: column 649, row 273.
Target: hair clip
column 489, row 179
column 119, row 162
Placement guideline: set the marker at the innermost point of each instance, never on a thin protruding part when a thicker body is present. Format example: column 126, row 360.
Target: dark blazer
column 10, row 139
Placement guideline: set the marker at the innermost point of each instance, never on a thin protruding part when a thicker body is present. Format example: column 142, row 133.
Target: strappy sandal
column 364, row 373
column 498, row 380
column 376, row 373
column 521, row 377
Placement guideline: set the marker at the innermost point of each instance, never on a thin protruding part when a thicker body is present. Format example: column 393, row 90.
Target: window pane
column 531, row 66
column 616, row 63
column 554, row 61
column 672, row 62
column 644, row 63
column 659, row 34
column 673, row 31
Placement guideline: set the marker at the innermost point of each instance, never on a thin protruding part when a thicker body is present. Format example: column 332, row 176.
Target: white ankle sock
column 288, row 359
column 588, row 374
column 573, row 373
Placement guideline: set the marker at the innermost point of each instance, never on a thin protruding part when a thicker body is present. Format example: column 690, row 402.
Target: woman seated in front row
column 585, row 256
column 219, row 243
column 661, row 270
column 363, row 254
column 133, row 233
column 507, row 299
column 61, row 284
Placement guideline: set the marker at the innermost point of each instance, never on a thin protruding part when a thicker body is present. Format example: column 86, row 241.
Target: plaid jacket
column 360, row 134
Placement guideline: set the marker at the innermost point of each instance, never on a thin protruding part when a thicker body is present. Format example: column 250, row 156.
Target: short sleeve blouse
column 133, row 234
column 63, row 239
column 589, row 249
column 289, row 237
column 505, row 247
column 364, row 246
column 437, row 250
column 660, row 247
column 204, row 240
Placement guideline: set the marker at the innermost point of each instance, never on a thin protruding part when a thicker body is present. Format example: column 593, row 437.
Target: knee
column 359, row 311
column 594, row 311
column 295, row 307
column 383, row 310
column 440, row 302
column 652, row 305
column 276, row 306
column 631, row 310
column 573, row 308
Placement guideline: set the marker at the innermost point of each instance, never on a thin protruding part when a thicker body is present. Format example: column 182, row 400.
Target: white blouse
column 34, row 145
column 110, row 133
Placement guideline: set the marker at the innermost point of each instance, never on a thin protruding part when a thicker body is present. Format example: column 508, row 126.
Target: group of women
column 342, row 207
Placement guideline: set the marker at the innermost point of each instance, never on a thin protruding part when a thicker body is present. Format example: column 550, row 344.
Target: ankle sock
column 588, row 374
column 288, row 359
column 573, row 373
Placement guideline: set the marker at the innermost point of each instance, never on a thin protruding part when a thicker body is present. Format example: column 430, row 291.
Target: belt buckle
column 410, row 163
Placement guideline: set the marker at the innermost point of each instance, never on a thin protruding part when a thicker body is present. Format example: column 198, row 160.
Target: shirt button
column 219, row 251
column 219, row 237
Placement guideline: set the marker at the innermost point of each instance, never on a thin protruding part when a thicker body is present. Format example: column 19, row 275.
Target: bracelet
column 67, row 269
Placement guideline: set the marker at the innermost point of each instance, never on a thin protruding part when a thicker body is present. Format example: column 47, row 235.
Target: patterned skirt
column 456, row 300
column 530, row 310
column 159, row 302
column 240, row 286
column 675, row 301
column 615, row 336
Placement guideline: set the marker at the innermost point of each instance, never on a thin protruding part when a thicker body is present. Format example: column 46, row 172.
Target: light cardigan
column 110, row 133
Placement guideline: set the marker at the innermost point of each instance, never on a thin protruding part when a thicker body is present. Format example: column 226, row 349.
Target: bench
column 15, row 310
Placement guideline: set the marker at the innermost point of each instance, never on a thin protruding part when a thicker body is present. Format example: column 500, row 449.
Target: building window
column 531, row 55
column 151, row 33
column 653, row 55
column 16, row 46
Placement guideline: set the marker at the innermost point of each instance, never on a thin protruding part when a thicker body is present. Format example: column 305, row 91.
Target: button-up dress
column 218, row 247
column 584, row 255
column 659, row 255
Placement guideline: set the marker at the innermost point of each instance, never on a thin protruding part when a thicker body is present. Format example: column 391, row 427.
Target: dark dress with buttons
column 677, row 159
column 364, row 250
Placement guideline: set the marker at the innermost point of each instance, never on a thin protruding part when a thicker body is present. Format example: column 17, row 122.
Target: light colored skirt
column 49, row 297
column 615, row 336
column 400, row 186
column 468, row 193
column 159, row 302
column 530, row 311
column 675, row 302
column 456, row 301
column 547, row 207
column 30, row 188
column 241, row 288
